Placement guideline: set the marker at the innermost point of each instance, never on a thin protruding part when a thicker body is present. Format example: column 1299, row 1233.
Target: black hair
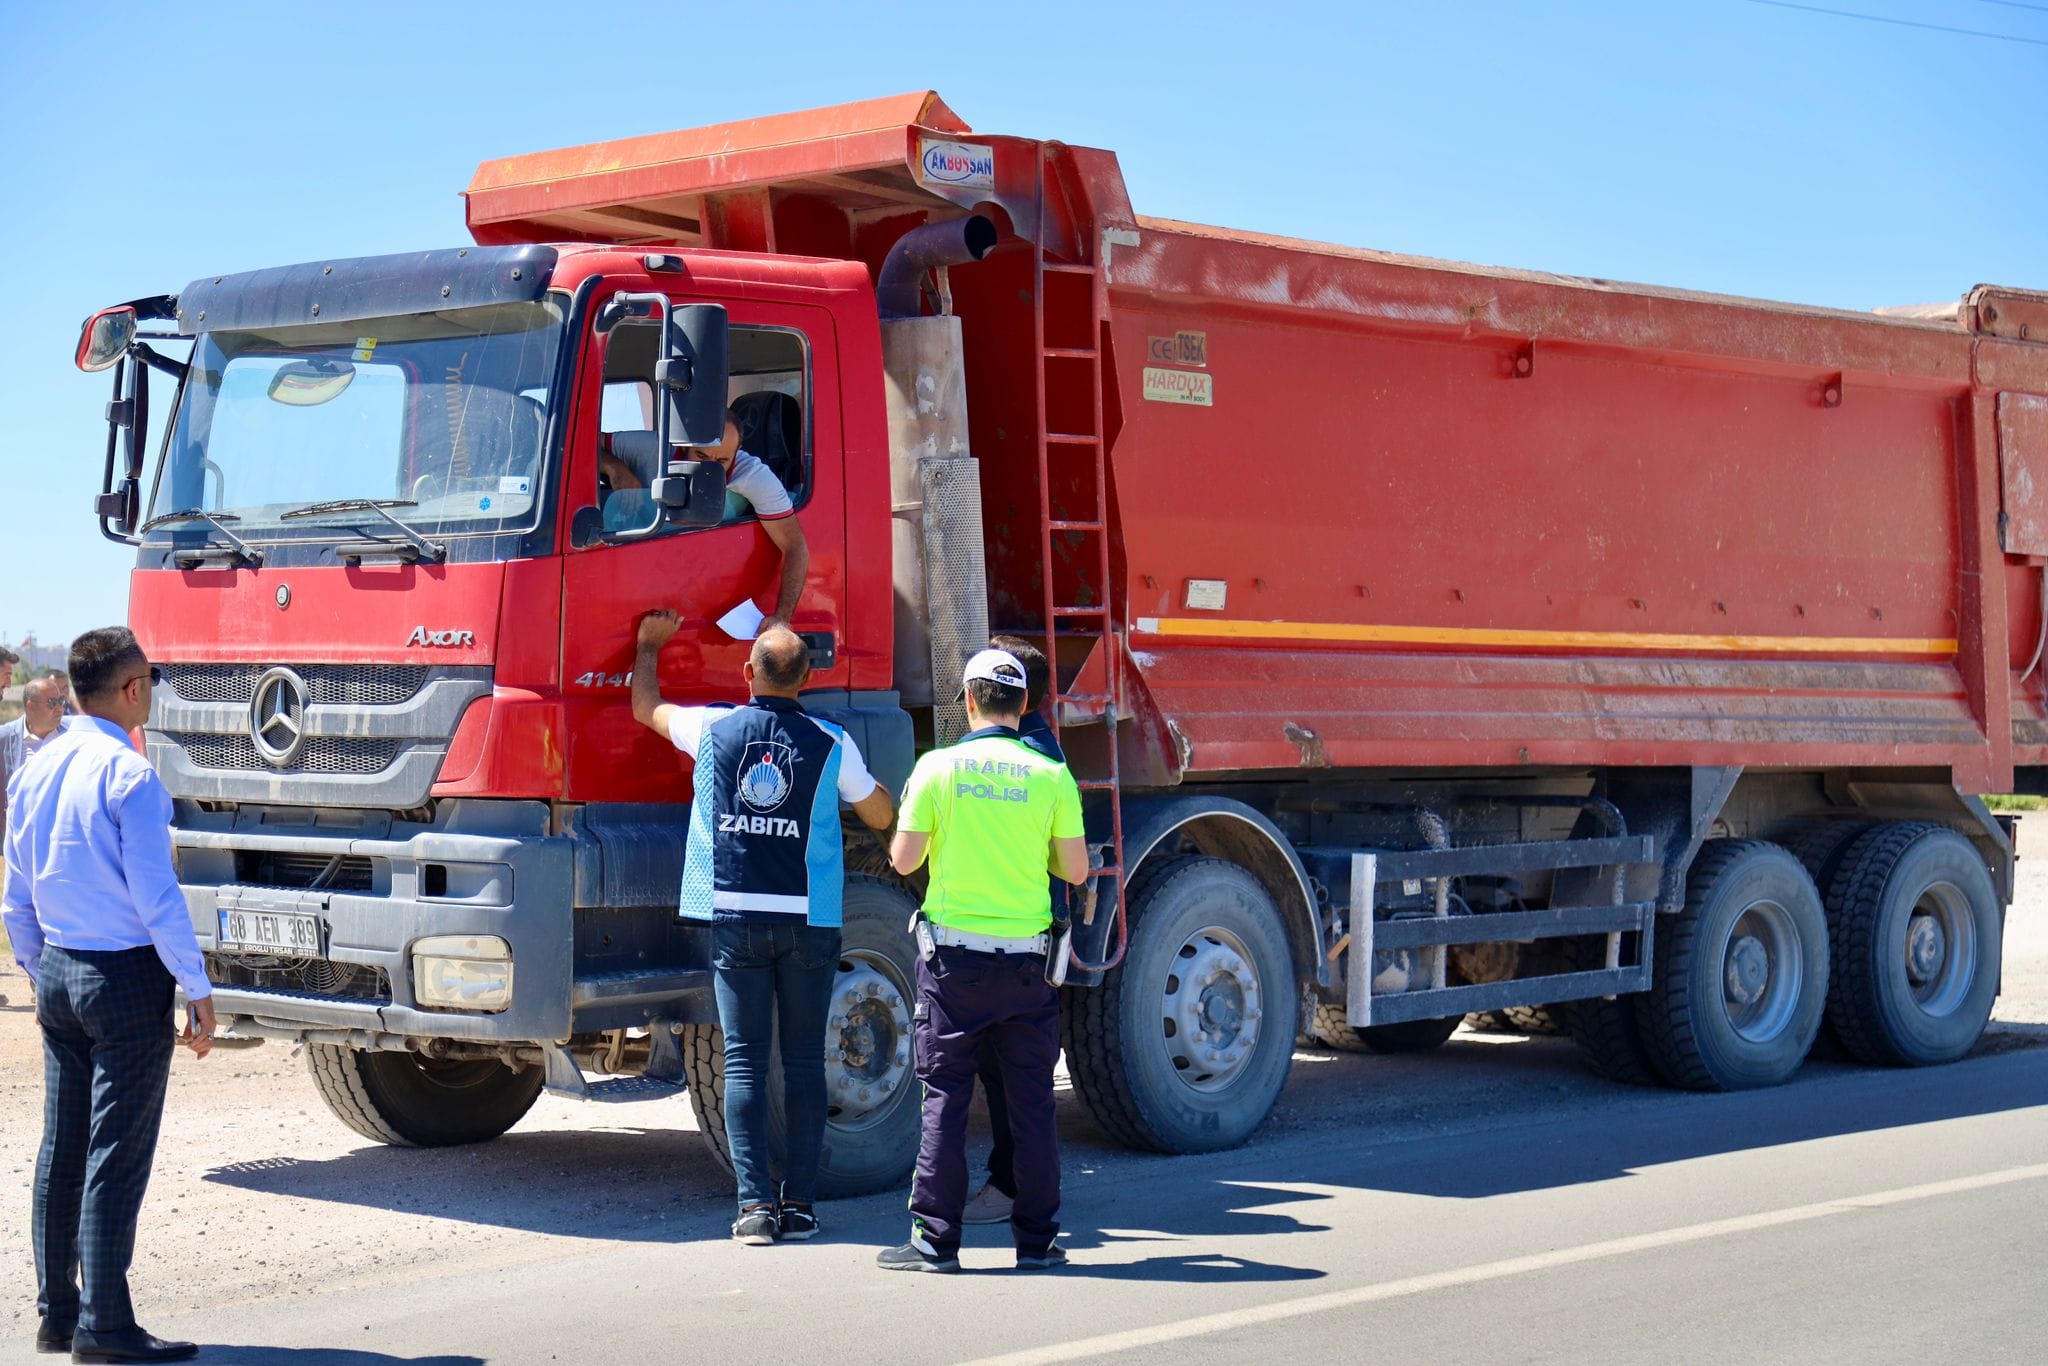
column 1037, row 673
column 780, row 659
column 995, row 699
column 99, row 658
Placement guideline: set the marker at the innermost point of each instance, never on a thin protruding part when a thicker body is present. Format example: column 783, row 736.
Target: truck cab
column 394, row 596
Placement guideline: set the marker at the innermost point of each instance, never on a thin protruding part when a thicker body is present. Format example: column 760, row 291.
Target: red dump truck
column 1433, row 641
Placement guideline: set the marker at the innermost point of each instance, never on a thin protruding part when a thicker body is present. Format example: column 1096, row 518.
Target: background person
column 8, row 659
column 764, row 864
column 43, row 704
column 100, row 926
column 993, row 815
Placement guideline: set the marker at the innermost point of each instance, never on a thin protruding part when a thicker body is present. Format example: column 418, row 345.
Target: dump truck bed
column 1379, row 511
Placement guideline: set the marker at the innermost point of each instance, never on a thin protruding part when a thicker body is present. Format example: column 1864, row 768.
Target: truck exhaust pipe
column 954, row 242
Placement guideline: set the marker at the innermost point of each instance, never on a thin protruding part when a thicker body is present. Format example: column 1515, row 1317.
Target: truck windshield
column 444, row 410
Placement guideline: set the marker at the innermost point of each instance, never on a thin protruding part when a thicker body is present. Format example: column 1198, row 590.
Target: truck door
column 784, row 385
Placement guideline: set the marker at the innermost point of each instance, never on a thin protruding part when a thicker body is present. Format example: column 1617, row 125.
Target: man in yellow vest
column 994, row 815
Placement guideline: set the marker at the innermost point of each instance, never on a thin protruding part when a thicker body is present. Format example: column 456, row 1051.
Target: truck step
column 618, row 1090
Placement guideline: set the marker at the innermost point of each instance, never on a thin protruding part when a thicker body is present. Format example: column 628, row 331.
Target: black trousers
column 107, row 1040
column 1002, row 1153
column 963, row 998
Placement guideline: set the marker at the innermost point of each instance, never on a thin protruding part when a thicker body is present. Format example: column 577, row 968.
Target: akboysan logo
column 765, row 776
column 967, row 164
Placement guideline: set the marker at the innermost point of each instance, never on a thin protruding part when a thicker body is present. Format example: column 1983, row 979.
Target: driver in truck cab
column 749, row 483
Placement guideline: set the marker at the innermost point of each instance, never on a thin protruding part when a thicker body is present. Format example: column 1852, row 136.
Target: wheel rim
column 1762, row 971
column 1211, row 1010
column 867, row 1040
column 1941, row 949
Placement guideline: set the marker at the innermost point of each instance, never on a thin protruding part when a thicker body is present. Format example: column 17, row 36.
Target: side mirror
column 119, row 505
column 692, row 493
column 692, row 377
column 104, row 338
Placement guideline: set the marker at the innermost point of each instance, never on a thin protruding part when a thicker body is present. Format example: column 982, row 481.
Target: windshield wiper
column 432, row 550
column 237, row 547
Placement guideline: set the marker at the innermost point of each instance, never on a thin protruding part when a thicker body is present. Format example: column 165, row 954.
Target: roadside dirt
column 259, row 1192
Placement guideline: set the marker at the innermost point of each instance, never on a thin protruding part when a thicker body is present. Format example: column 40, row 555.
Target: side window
column 769, row 398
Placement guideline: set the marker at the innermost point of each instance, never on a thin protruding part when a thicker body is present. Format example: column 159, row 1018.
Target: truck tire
column 1333, row 1030
column 1916, row 934
column 1186, row 1046
column 1819, row 847
column 871, row 1123
column 1740, row 976
column 411, row 1101
column 1605, row 1030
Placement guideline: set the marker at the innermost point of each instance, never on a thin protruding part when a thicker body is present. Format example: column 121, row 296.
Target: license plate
column 276, row 931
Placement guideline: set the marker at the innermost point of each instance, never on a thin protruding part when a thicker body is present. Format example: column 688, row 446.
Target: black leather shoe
column 130, row 1344
column 53, row 1337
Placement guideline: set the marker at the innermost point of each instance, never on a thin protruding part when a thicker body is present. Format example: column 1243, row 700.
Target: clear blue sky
column 1715, row 144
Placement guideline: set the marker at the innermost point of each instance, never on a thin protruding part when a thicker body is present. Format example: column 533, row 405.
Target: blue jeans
column 767, row 976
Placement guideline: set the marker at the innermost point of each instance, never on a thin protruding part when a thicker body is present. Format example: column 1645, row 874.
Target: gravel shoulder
column 260, row 1193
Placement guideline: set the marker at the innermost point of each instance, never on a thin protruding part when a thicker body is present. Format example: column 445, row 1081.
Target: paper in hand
column 743, row 622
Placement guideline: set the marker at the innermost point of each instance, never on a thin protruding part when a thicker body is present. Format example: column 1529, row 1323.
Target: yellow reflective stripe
column 1579, row 640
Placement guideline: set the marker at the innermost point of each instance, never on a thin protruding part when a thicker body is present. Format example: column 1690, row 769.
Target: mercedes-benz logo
column 277, row 716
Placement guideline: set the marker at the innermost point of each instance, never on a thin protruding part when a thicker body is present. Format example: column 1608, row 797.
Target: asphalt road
column 1491, row 1201
column 1853, row 1216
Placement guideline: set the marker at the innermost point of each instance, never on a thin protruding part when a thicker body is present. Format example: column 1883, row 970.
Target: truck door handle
column 823, row 647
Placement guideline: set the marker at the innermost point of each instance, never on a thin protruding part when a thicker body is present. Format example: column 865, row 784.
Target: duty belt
column 988, row 943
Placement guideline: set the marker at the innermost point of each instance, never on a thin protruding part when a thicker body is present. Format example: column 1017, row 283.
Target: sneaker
column 989, row 1206
column 1051, row 1259
column 909, row 1258
column 794, row 1223
column 755, row 1227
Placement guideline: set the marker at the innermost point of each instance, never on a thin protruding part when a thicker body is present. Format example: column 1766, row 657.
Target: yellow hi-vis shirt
column 992, row 806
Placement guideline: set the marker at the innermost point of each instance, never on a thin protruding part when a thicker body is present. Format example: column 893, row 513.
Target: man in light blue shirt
column 100, row 925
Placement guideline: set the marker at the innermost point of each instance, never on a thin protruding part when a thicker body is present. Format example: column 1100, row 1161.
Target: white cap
column 997, row 666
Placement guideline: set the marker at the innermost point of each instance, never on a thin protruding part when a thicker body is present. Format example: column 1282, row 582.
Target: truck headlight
column 462, row 972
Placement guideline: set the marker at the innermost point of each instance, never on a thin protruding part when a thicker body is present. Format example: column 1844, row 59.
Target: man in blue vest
column 764, row 865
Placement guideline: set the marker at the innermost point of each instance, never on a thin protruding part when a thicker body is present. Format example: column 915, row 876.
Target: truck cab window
column 768, row 394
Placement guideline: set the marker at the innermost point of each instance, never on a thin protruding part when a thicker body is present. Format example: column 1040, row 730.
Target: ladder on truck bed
column 1070, row 367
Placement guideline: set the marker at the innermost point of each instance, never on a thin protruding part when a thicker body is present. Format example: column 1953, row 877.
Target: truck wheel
column 1916, row 933
column 1186, row 1046
column 1333, row 1030
column 1740, row 975
column 871, row 1120
column 1410, row 1036
column 1533, row 1020
column 1604, row 1030
column 411, row 1101
column 1819, row 847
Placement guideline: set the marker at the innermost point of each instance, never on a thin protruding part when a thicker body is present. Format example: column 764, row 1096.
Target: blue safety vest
column 764, row 842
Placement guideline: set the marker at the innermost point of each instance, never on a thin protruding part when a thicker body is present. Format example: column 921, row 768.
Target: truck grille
column 299, row 976
column 275, row 868
column 319, row 754
column 370, row 685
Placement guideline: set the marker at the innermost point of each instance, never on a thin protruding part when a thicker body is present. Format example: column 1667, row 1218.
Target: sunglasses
column 155, row 676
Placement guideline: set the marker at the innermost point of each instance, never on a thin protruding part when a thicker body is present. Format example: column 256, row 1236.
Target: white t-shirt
column 756, row 483
column 686, row 731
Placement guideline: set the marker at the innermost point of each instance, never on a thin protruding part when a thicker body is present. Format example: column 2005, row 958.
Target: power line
column 2018, row 4
column 1911, row 23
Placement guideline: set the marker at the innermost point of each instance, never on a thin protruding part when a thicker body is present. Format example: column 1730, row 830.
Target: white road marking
column 1492, row 1271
